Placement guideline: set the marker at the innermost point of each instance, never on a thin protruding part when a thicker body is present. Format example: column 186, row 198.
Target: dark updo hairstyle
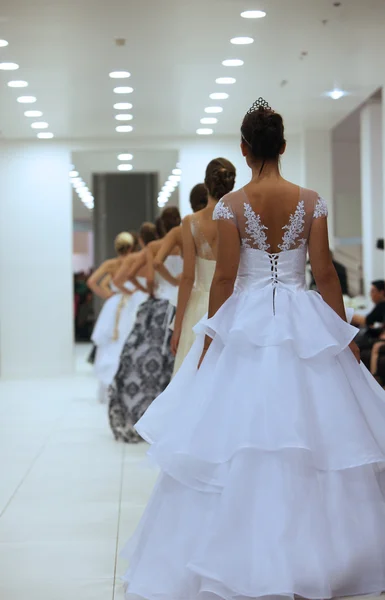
column 147, row 233
column 198, row 197
column 159, row 227
column 170, row 218
column 136, row 246
column 220, row 178
column 263, row 132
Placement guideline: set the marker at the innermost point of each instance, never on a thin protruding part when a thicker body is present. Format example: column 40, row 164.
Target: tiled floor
column 70, row 496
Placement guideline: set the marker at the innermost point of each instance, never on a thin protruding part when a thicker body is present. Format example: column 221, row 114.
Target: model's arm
column 324, row 272
column 121, row 276
column 94, row 281
column 167, row 246
column 186, row 283
column 228, row 256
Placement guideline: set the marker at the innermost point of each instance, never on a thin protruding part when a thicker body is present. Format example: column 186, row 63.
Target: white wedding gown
column 112, row 328
column 272, row 454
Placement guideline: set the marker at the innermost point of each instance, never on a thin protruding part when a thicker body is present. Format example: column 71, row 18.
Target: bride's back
column 272, row 216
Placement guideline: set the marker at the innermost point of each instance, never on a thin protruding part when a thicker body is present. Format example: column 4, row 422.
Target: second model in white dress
column 112, row 328
column 272, row 453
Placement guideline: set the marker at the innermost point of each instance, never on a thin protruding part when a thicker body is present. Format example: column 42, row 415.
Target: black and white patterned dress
column 146, row 362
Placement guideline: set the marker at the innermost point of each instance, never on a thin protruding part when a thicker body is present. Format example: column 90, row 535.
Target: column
column 372, row 192
column 36, row 287
column 317, row 173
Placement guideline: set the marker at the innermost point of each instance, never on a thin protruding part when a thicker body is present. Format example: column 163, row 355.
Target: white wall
column 36, row 299
column 347, row 189
column 195, row 155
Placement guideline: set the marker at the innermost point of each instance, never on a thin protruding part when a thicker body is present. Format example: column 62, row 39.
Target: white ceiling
column 144, row 161
column 174, row 51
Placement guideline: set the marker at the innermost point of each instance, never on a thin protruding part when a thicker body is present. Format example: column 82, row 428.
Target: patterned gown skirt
column 145, row 370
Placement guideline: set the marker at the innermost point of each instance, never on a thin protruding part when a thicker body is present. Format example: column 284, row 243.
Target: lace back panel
column 202, row 246
column 272, row 226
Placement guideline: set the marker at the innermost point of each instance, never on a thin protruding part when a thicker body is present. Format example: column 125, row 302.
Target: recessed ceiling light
column 3, row 43
column 33, row 113
column 213, row 109
column 74, row 174
column 205, row 131
column 233, row 62
column 124, row 117
column 120, row 74
column 225, row 80
column 209, row 121
column 125, row 157
column 177, row 171
column 123, row 90
column 174, row 178
column 253, row 14
column 125, row 167
column 336, row 94
column 26, row 99
column 80, row 184
column 17, row 84
column 241, row 41
column 39, row 125
column 45, row 135
column 123, row 106
column 219, row 96
column 76, row 180
column 124, row 128
column 5, row 66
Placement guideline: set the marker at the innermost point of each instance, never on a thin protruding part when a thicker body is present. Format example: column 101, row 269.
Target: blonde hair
column 124, row 242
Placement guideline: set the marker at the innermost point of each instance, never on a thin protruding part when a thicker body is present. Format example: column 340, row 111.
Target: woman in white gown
column 199, row 234
column 117, row 315
column 272, row 453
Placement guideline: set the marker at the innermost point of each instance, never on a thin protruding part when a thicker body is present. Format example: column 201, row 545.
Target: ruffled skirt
column 272, row 459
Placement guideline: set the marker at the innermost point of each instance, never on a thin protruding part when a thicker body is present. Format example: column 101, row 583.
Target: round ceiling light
column 225, row 80
column 177, row 171
column 219, row 96
column 26, row 99
column 120, row 74
column 3, row 43
column 123, row 106
column 209, row 121
column 124, row 117
column 233, row 62
column 125, row 167
column 125, row 157
column 39, row 125
column 17, row 84
column 242, row 41
column 123, row 90
column 253, row 14
column 74, row 174
column 205, row 131
column 45, row 135
column 33, row 113
column 8, row 66
column 336, row 94
column 213, row 109
column 124, row 128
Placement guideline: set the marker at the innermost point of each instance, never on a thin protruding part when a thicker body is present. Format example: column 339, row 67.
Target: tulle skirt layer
column 272, row 459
